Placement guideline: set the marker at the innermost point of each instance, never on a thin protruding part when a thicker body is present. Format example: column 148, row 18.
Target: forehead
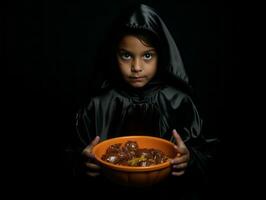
column 133, row 44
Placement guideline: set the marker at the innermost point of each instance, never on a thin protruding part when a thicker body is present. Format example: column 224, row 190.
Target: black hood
column 143, row 18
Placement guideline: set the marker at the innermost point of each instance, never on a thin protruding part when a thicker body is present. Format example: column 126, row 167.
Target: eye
column 125, row 56
column 147, row 56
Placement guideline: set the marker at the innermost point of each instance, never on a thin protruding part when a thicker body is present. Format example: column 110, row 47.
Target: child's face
column 137, row 61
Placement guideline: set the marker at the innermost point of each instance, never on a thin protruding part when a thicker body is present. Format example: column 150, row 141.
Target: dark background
column 49, row 47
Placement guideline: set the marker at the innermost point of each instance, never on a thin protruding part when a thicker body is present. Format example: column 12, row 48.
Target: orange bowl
column 132, row 175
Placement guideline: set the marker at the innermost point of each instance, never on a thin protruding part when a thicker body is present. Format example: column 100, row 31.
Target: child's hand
column 180, row 162
column 92, row 168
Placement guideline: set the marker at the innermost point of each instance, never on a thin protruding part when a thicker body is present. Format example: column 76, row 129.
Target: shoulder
column 170, row 92
column 97, row 102
column 104, row 96
column 174, row 97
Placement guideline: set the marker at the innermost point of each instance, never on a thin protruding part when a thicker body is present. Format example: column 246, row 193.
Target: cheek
column 153, row 68
column 123, row 68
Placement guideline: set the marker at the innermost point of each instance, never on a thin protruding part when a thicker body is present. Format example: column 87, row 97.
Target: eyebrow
column 149, row 50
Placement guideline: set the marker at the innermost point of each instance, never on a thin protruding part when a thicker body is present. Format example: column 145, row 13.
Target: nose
column 136, row 65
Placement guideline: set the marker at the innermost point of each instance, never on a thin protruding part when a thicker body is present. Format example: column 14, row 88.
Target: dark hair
column 143, row 35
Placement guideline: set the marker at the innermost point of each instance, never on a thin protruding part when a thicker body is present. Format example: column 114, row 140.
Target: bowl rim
column 131, row 169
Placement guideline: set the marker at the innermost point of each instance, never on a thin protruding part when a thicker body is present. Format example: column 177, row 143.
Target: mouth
column 137, row 79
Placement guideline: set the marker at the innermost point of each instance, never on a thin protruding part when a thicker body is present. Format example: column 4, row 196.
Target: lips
column 136, row 78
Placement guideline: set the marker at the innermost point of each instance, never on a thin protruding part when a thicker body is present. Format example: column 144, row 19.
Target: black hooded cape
column 156, row 109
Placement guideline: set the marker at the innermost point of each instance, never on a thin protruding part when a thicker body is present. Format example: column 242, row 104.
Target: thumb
column 179, row 142
column 95, row 141
column 87, row 150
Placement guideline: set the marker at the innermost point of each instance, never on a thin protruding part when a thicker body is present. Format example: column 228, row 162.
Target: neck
column 147, row 89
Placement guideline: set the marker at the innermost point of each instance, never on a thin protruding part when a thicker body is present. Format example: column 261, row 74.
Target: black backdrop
column 49, row 46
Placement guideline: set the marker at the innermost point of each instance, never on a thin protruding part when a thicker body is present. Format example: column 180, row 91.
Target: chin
column 137, row 85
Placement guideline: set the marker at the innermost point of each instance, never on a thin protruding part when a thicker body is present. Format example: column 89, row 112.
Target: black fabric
column 162, row 109
column 145, row 18
column 140, row 18
column 117, row 112
column 156, row 109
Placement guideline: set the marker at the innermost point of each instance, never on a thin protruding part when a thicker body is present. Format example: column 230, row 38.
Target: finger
column 95, row 141
column 87, row 150
column 180, row 151
column 178, row 154
column 179, row 141
column 180, row 166
column 93, row 174
column 87, row 153
column 181, row 159
column 92, row 166
column 178, row 173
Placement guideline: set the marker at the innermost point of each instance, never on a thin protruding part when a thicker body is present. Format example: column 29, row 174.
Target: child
column 145, row 91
